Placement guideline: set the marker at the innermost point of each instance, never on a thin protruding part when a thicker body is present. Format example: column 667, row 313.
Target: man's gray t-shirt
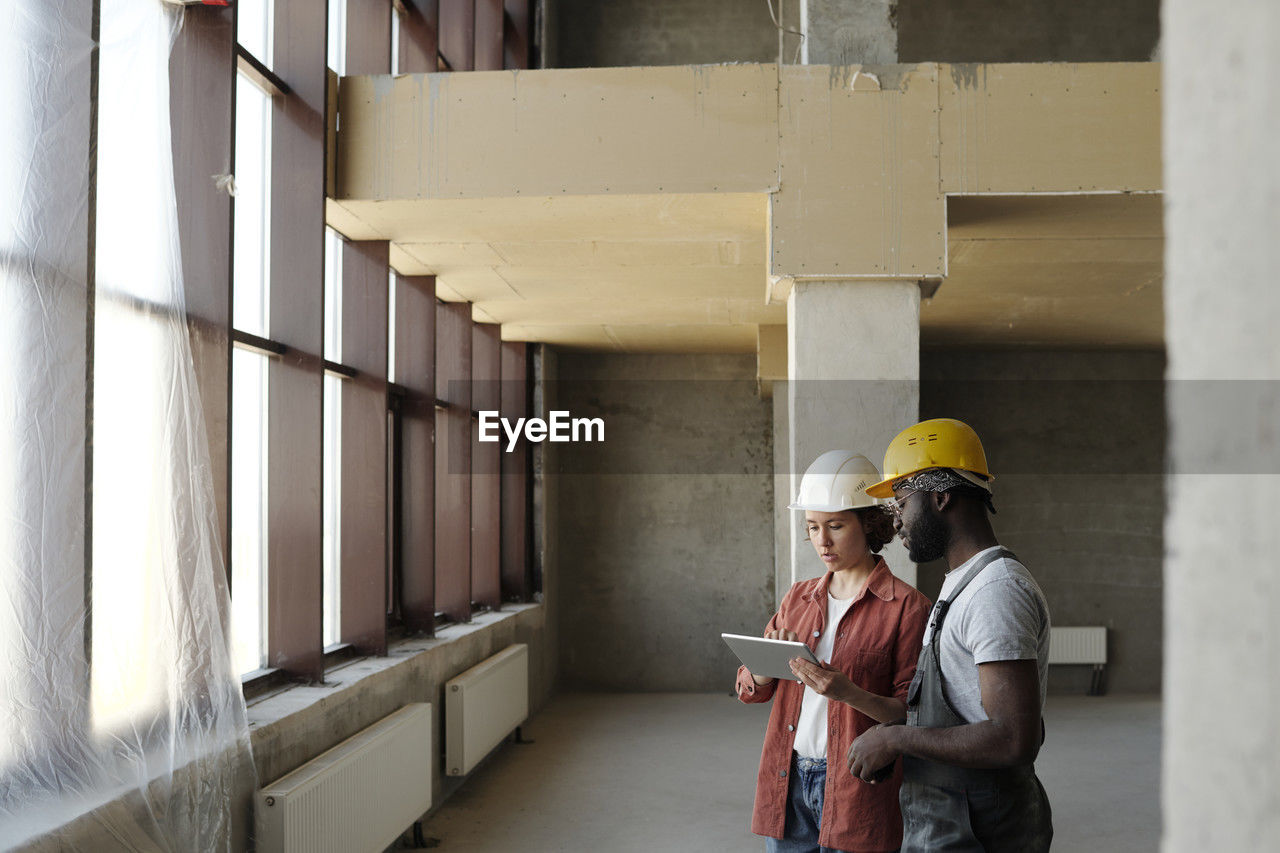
column 1000, row 615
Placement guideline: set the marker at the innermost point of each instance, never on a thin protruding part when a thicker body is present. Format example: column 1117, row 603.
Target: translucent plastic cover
column 122, row 723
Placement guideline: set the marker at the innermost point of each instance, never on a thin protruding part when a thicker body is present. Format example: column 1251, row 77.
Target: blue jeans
column 804, row 808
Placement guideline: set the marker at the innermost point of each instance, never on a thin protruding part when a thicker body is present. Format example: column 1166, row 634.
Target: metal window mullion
column 260, row 75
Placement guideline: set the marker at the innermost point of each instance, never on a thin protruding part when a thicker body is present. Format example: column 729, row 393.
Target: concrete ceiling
column 688, row 272
column 659, row 272
column 1050, row 270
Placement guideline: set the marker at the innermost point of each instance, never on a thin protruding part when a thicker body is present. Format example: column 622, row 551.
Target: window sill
column 280, row 707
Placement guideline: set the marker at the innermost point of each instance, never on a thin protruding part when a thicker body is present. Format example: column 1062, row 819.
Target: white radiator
column 358, row 796
column 1078, row 645
column 483, row 705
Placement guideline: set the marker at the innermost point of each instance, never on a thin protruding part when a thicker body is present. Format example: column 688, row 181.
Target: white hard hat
column 837, row 480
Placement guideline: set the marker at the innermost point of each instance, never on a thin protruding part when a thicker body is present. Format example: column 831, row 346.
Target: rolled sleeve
column 907, row 648
column 750, row 692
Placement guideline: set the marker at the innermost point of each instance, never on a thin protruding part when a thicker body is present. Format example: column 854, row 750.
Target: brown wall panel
column 457, row 33
column 415, row 370
column 364, row 306
column 486, row 506
column 453, row 461
column 453, row 354
column 201, row 87
column 418, row 42
column 297, row 177
column 363, row 516
column 488, row 50
column 294, row 516
column 296, row 380
column 364, row 446
column 516, row 581
column 416, row 333
column 486, row 366
column 368, row 36
column 516, row 34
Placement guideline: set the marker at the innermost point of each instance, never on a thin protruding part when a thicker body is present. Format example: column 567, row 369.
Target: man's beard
column 928, row 537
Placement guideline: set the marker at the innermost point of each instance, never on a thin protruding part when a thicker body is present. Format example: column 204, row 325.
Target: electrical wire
column 782, row 29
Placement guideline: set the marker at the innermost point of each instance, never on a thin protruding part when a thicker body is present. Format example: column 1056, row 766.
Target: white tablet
column 768, row 658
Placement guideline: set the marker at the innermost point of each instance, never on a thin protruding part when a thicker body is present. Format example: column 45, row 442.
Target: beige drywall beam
column 867, row 155
column 858, row 163
column 689, row 129
column 1049, row 128
column 464, row 172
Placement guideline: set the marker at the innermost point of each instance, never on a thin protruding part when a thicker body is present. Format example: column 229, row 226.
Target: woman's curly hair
column 878, row 522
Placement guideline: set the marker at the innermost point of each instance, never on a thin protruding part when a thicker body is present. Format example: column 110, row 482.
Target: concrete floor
column 610, row 772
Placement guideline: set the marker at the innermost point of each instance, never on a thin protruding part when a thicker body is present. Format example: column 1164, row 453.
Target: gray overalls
column 949, row 808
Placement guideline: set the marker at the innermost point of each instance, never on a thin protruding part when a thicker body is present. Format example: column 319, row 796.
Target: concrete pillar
column 1221, row 779
column 849, row 32
column 853, row 350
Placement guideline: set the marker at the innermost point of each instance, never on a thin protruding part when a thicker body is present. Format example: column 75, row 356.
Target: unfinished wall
column 602, row 33
column 597, row 33
column 665, row 534
column 1018, row 31
column 1076, row 441
column 850, row 32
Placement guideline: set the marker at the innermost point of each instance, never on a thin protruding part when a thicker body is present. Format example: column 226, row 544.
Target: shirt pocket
column 872, row 670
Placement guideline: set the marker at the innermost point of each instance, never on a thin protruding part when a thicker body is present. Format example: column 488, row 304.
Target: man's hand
column 823, row 679
column 775, row 634
column 873, row 751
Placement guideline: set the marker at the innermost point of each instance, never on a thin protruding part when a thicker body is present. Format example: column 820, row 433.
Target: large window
column 332, row 487
column 114, row 666
column 250, row 377
column 351, row 387
column 252, row 208
column 248, row 508
column 144, row 546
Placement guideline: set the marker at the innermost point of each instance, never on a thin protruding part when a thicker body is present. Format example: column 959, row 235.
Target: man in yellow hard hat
column 973, row 726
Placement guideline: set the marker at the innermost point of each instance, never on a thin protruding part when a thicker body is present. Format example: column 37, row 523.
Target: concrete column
column 1221, row 779
column 853, row 370
column 849, row 32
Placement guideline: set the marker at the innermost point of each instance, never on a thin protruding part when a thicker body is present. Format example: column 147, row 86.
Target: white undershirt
column 811, row 730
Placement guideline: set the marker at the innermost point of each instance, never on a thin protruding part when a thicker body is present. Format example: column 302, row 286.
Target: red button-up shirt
column 877, row 646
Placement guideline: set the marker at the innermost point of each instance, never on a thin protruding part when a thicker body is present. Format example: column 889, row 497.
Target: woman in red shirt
column 866, row 626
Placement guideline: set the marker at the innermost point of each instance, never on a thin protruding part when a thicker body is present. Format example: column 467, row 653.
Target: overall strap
column 944, row 604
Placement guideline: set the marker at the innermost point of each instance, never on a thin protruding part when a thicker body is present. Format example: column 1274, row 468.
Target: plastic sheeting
column 122, row 723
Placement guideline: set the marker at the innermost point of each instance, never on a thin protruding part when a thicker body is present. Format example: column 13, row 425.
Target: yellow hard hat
column 937, row 443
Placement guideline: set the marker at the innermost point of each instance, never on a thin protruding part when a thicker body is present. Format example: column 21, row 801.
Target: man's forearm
column 986, row 745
